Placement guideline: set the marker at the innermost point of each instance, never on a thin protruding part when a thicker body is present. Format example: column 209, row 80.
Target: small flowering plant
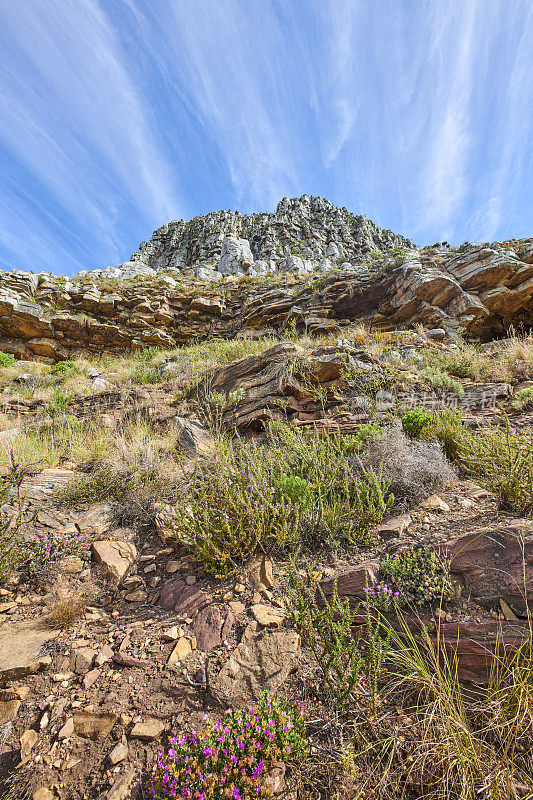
column 381, row 597
column 50, row 546
column 232, row 757
column 419, row 574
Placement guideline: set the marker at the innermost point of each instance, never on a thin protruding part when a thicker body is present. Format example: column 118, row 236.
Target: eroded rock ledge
column 481, row 291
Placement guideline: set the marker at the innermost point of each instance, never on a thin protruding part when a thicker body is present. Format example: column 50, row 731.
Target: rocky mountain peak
column 311, row 229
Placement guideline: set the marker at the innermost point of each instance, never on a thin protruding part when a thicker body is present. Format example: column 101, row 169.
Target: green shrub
column 6, row 359
column 501, row 460
column 327, row 628
column 523, row 400
column 448, row 429
column 300, row 488
column 441, row 381
column 63, row 368
column 354, row 443
column 414, row 420
column 419, row 576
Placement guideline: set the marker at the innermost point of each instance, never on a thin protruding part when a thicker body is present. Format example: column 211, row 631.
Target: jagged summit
column 304, row 234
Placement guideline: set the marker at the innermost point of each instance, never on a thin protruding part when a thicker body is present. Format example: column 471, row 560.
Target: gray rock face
column 235, row 256
column 308, row 228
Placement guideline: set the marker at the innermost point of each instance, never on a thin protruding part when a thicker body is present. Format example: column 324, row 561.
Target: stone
column 171, row 634
column 118, row 753
column 148, row 731
column 185, row 600
column 193, row 438
column 8, row 710
column 267, row 615
column 258, row 662
column 211, row 627
column 137, row 596
column 352, row 582
column 43, row 794
column 123, row 786
column 104, row 656
column 28, row 740
column 260, row 573
column 71, row 565
column 94, row 725
column 181, row 650
column 21, row 647
column 507, row 612
column 126, row 660
column 99, row 520
column 67, row 730
column 116, row 558
column 394, row 527
column 435, row 503
column 82, row 659
column 90, row 678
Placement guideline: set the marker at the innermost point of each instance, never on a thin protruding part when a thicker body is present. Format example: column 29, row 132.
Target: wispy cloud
column 118, row 115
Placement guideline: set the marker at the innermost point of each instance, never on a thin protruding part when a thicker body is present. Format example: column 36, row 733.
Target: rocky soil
column 84, row 709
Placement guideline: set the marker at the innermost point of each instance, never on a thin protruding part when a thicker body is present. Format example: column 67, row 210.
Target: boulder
column 21, row 648
column 235, row 256
column 115, row 558
column 260, row 661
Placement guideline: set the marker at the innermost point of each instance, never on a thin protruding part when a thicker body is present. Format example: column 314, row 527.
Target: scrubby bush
column 327, row 628
column 419, row 576
column 6, row 359
column 11, row 548
column 413, row 469
column 414, row 420
column 300, row 488
column 232, row 757
column 523, row 400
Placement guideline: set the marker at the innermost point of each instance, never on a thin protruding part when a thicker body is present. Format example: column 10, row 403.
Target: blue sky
column 119, row 115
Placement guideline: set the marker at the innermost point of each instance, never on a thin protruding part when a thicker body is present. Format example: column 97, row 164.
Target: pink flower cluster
column 232, row 757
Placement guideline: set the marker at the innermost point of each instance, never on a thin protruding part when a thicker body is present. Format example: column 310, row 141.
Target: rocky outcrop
column 310, row 227
column 268, row 273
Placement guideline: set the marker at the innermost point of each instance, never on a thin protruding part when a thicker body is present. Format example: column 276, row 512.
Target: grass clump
column 501, row 460
column 66, row 611
column 138, row 469
column 232, row 757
